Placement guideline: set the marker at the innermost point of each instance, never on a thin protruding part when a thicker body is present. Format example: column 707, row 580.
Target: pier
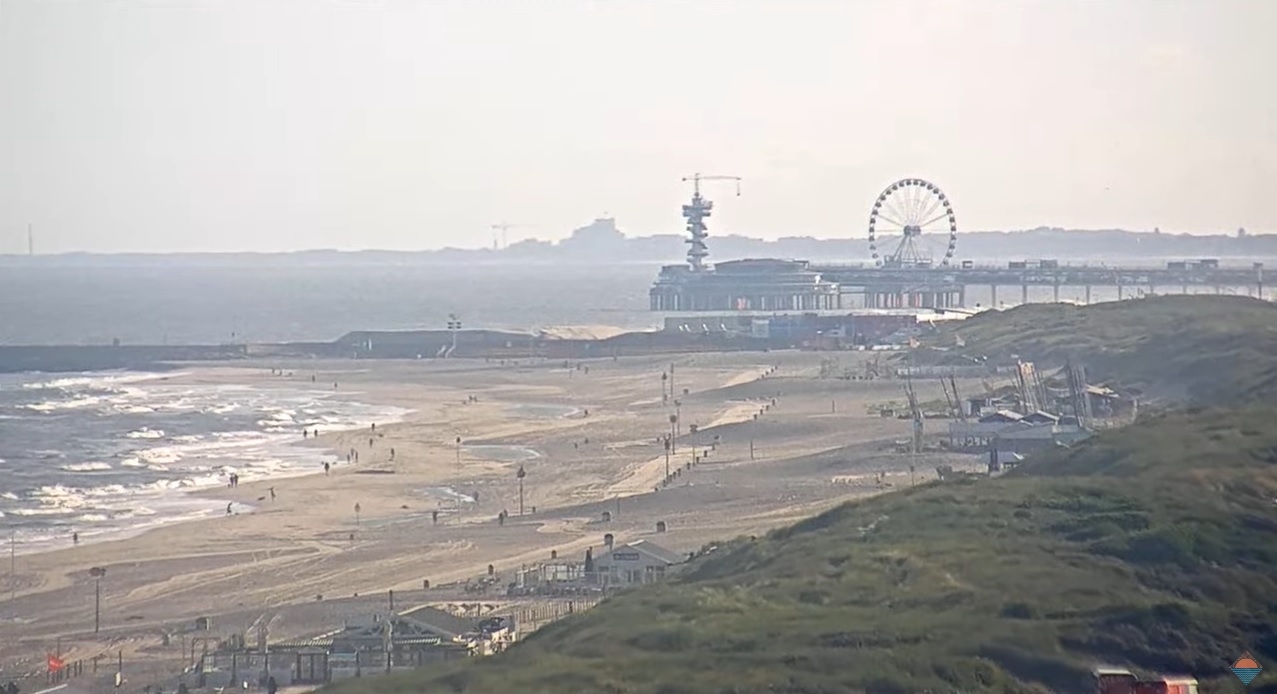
column 905, row 272
column 946, row 287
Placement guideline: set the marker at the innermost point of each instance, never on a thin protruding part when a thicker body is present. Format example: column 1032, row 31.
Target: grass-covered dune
column 1208, row 349
column 1153, row 546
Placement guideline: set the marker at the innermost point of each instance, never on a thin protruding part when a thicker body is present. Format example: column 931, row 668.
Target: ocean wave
column 97, row 381
column 135, row 409
column 86, row 467
column 162, row 441
column 57, row 405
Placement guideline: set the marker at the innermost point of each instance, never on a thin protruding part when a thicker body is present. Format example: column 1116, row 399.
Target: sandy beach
column 587, row 433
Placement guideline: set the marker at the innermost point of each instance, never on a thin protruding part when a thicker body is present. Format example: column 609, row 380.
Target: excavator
column 1119, row 681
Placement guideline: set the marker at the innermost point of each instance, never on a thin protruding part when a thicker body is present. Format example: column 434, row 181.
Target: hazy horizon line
column 557, row 242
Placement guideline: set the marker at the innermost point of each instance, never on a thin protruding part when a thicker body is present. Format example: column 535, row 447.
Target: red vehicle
column 1118, row 681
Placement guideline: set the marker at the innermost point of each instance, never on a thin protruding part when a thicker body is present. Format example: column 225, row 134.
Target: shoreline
column 187, row 504
column 371, row 527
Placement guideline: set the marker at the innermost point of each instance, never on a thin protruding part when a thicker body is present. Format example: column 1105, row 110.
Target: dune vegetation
column 1153, row 547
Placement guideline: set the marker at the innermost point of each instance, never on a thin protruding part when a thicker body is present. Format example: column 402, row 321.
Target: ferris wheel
column 910, row 208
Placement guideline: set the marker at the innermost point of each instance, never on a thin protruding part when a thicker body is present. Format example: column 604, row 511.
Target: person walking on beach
column 392, row 453
column 228, row 509
column 326, row 466
column 272, row 493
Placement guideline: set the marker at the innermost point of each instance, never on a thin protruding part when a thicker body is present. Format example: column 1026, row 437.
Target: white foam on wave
column 57, row 405
column 86, row 467
column 98, row 380
column 181, row 463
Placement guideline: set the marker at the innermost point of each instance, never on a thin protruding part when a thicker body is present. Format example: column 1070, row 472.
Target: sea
column 104, row 455
column 101, row 455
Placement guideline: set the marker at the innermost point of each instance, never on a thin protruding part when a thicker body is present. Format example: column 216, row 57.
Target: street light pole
column 673, row 434
column 667, row 456
column 97, row 573
column 521, row 474
column 458, row 451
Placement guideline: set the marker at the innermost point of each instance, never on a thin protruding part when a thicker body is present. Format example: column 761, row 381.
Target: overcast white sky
column 166, row 126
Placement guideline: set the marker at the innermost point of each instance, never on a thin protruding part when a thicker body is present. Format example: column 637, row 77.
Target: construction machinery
column 1120, row 681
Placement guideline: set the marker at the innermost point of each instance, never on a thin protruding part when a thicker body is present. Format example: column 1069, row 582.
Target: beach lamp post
column 97, row 573
column 673, row 432
column 521, row 474
column 458, row 451
column 358, row 508
column 668, row 441
column 665, row 377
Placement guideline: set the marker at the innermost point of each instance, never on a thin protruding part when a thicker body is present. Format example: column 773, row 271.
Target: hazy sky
column 257, row 125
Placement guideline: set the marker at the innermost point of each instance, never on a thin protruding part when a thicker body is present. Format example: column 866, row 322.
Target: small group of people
column 310, row 433
column 234, row 480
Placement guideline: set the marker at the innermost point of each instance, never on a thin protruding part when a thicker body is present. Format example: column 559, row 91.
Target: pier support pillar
column 1024, row 294
column 1088, row 294
column 1057, row 292
column 993, row 290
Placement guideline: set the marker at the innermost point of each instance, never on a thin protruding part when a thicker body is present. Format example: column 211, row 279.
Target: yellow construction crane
column 504, row 229
column 697, row 178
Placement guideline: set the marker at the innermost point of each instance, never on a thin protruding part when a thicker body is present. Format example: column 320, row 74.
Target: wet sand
column 817, row 446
